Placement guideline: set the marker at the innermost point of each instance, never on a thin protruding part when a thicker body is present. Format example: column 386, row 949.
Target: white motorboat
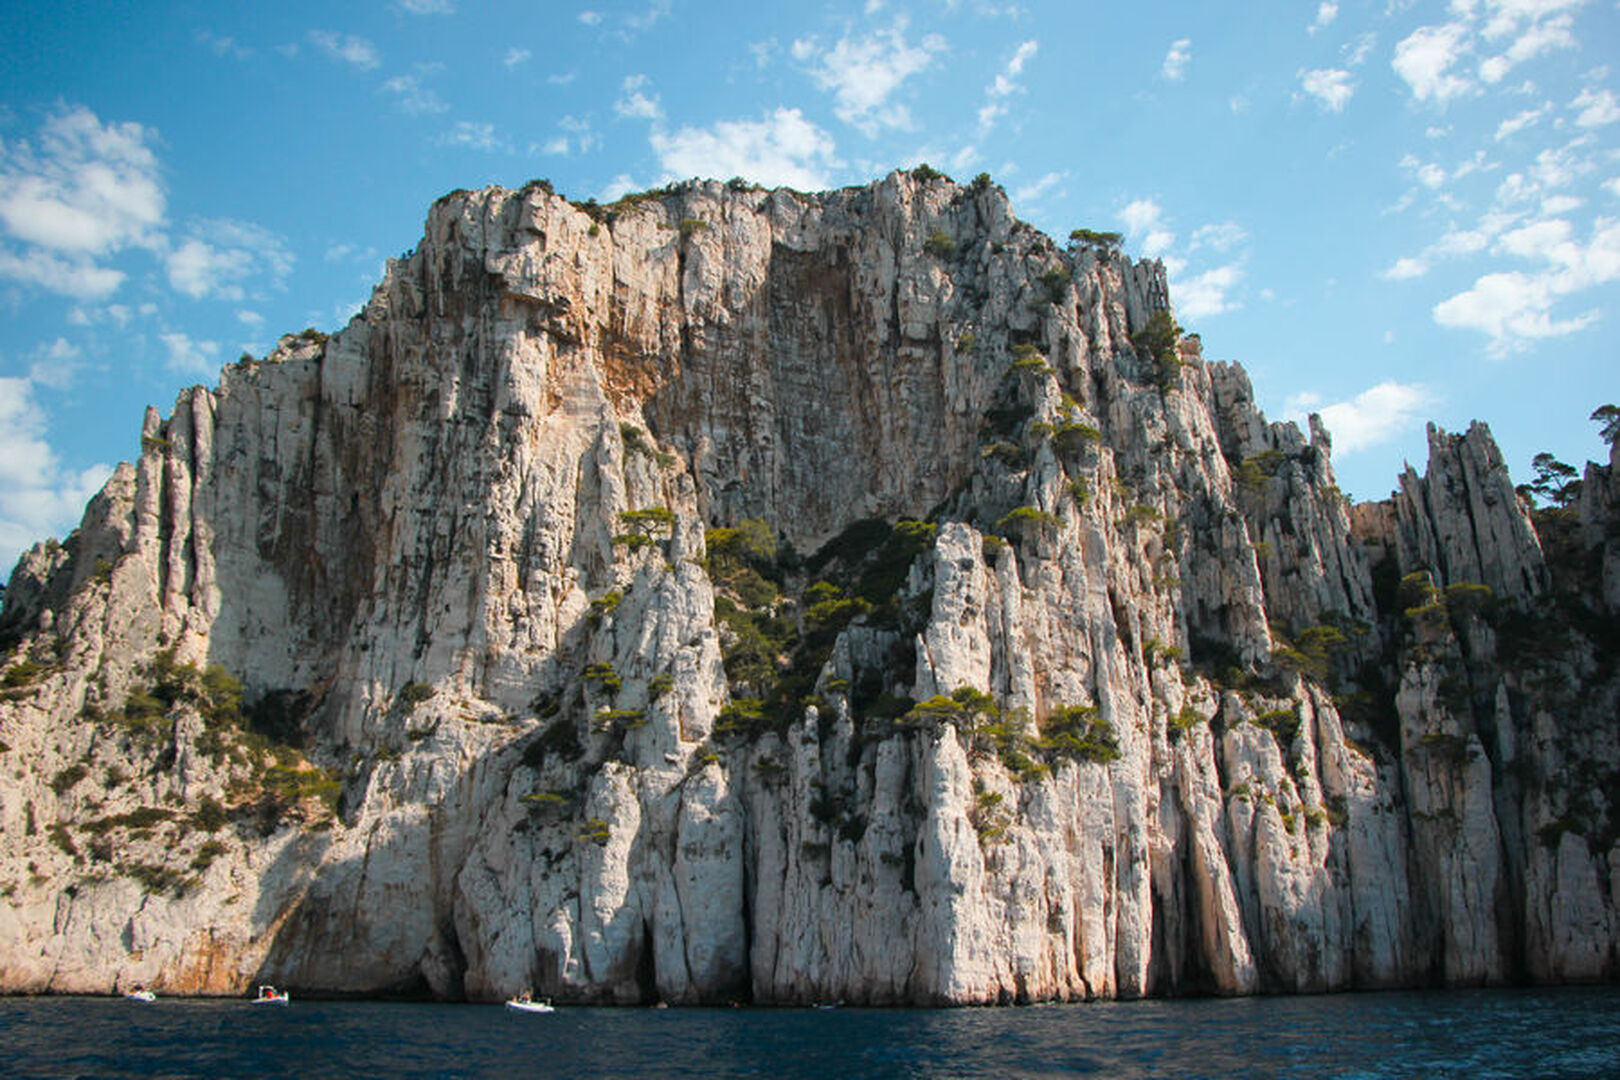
column 140, row 993
column 269, row 995
column 526, row 1005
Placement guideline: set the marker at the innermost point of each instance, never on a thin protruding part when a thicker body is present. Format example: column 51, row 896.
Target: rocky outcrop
column 744, row 595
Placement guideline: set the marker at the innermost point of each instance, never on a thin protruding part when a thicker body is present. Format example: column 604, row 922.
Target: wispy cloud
column 634, row 103
column 412, row 95
column 427, row 7
column 475, row 135
column 223, row 46
column 1004, row 86
column 1331, row 87
column 1033, row 192
column 350, row 49
column 514, row 57
column 219, row 257
column 1326, row 12
column 1598, row 108
column 865, row 74
column 1177, row 60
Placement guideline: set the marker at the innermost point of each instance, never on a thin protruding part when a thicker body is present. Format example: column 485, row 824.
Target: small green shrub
column 1089, row 238
column 740, row 716
column 1026, row 518
column 604, row 676
column 940, row 245
column 1182, row 722
column 1079, row 733
column 67, row 777
column 621, row 719
column 63, row 839
column 1027, row 357
column 605, row 605
column 1282, row 723
column 1055, row 283
column 414, row 693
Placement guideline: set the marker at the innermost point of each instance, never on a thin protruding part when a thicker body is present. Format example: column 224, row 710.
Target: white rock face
column 1030, row 702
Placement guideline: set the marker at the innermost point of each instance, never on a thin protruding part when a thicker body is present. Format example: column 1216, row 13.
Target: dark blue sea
column 1475, row 1034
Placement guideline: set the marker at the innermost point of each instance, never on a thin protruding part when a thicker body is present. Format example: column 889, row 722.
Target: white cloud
column 89, row 189
column 1598, row 108
column 1222, row 236
column 223, row 46
column 349, row 48
column 1208, row 293
column 619, row 186
column 1031, row 192
column 1026, row 52
column 55, row 365
column 633, row 104
column 1004, row 86
column 1516, row 308
column 77, row 277
column 782, row 149
column 1331, row 87
column 415, row 98
column 197, row 269
column 514, row 57
column 1140, row 215
column 865, row 74
column 576, row 138
column 428, row 7
column 38, row 497
column 1518, row 122
column 1326, row 12
column 1431, row 59
column 590, row 18
column 1176, row 60
column 1529, row 43
column 219, row 257
column 191, row 357
column 1425, row 59
column 1371, row 418
column 1357, row 49
column 477, row 136
column 1405, row 268
column 1513, row 309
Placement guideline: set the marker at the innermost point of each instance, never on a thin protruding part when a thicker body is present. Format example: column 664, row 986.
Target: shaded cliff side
column 739, row 594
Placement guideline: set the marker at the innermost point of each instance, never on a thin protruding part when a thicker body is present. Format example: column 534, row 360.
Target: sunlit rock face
column 742, row 595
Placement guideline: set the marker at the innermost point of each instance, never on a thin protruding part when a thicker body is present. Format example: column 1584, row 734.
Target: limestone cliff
column 740, row 594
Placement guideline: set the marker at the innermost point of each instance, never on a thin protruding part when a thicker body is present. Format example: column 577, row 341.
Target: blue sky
column 1389, row 212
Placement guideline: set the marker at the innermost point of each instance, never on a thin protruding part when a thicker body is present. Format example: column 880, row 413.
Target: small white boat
column 269, row 995
column 140, row 993
column 526, row 1005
